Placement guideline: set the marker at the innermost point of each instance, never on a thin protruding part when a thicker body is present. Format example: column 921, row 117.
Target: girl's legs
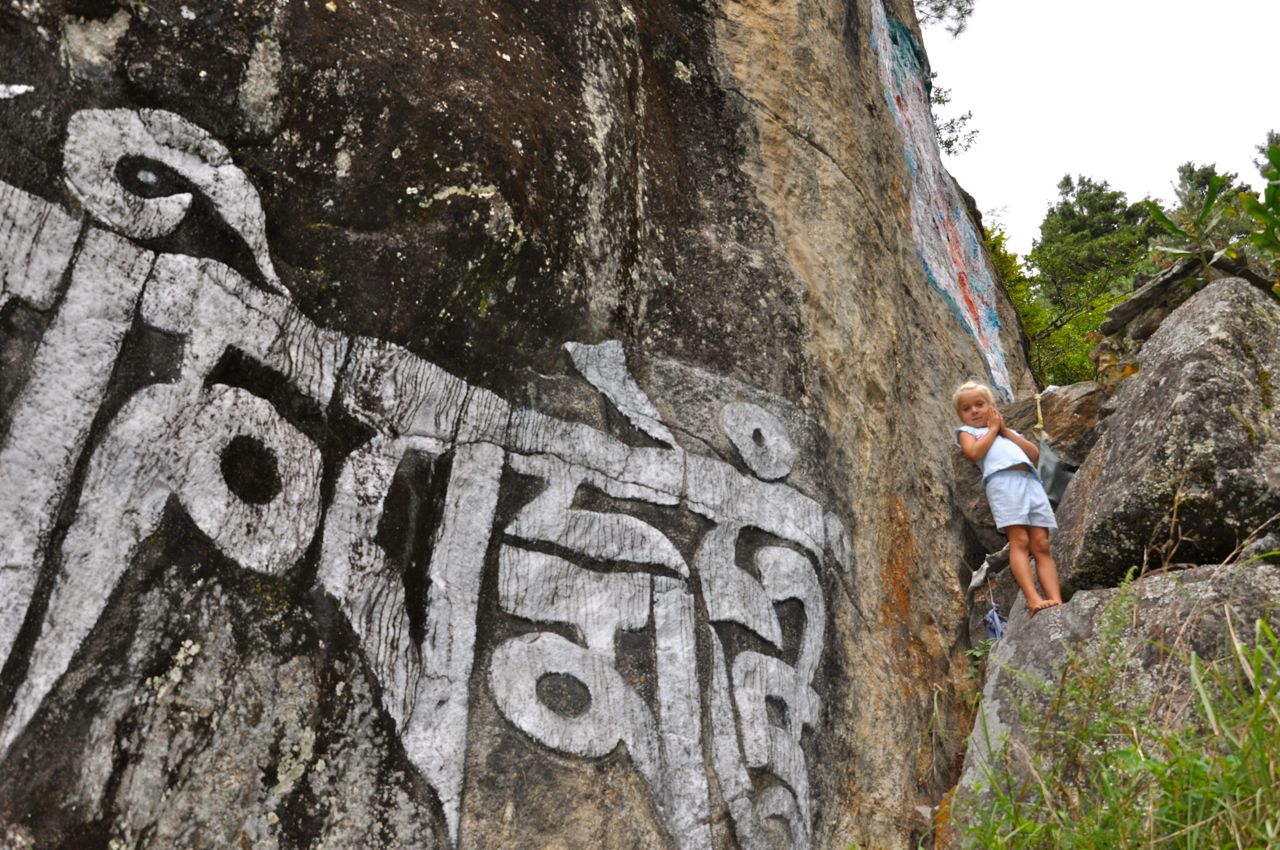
column 1020, row 563
column 1046, row 569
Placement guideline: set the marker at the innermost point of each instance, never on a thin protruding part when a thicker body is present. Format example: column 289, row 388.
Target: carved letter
column 36, row 241
column 97, row 139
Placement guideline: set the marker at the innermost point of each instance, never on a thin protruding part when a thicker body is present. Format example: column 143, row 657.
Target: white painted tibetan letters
column 562, row 566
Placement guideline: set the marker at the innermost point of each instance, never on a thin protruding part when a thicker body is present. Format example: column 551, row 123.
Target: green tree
column 1223, row 223
column 1022, row 290
column 1207, row 214
column 1262, row 163
column 1059, row 353
column 1007, row 263
column 1264, row 211
column 1092, row 243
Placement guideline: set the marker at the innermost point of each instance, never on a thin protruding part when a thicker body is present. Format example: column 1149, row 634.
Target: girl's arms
column 1031, row 449
column 976, row 448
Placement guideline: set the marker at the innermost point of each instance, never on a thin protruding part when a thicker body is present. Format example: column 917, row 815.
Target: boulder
column 1142, row 312
column 1071, row 417
column 1133, row 643
column 1150, row 303
column 1188, row 467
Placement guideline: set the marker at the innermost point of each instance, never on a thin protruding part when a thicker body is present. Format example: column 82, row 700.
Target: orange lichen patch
column 895, row 582
column 942, row 826
column 1112, row 365
column 895, row 570
column 904, row 203
column 921, row 667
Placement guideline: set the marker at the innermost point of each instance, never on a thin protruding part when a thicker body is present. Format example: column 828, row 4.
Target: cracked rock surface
column 474, row 425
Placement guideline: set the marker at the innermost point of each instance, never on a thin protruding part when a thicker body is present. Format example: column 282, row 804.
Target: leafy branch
column 954, row 135
column 1226, row 222
column 952, row 14
column 1266, row 212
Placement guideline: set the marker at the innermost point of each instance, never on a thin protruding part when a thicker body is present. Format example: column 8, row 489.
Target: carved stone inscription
column 577, row 576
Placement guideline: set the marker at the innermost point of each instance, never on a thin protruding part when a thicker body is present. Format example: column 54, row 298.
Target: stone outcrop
column 1071, row 416
column 1138, row 638
column 1188, row 466
column 1150, row 304
column 479, row 425
column 1138, row 316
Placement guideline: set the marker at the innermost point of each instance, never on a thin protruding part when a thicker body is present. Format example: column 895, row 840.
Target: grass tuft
column 1194, row 767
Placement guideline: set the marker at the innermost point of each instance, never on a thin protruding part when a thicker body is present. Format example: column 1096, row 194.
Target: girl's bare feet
column 1038, row 606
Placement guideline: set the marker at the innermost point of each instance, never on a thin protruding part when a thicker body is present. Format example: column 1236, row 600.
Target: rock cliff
column 479, row 424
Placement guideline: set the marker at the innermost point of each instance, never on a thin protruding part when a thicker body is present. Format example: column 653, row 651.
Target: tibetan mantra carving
column 588, row 573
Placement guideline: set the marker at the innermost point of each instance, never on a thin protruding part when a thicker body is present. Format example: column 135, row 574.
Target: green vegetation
column 954, row 134
column 1208, row 219
column 1216, row 219
column 977, row 656
column 1265, row 211
column 1092, row 243
column 1095, row 246
column 1196, row 764
column 1263, row 162
column 1059, row 350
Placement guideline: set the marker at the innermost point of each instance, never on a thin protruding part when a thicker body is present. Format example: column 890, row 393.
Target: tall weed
column 1194, row 765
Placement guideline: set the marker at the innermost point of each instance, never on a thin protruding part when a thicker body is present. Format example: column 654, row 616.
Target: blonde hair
column 972, row 387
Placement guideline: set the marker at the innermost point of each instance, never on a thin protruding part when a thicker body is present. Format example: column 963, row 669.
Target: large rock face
column 1189, row 464
column 477, row 425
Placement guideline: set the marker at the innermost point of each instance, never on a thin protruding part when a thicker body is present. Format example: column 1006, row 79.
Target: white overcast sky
column 1117, row 90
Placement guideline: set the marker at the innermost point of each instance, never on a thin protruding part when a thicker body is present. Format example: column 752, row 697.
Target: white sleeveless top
column 1003, row 454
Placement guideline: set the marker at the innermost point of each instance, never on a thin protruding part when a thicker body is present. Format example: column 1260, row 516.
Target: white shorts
column 1017, row 498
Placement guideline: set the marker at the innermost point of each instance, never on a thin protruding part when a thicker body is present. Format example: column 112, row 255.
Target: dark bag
column 1054, row 474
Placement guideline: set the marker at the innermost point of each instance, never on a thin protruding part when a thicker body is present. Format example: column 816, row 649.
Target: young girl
column 1018, row 502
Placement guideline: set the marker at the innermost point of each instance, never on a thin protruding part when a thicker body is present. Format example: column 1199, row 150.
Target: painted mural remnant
column 948, row 244
column 561, row 568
